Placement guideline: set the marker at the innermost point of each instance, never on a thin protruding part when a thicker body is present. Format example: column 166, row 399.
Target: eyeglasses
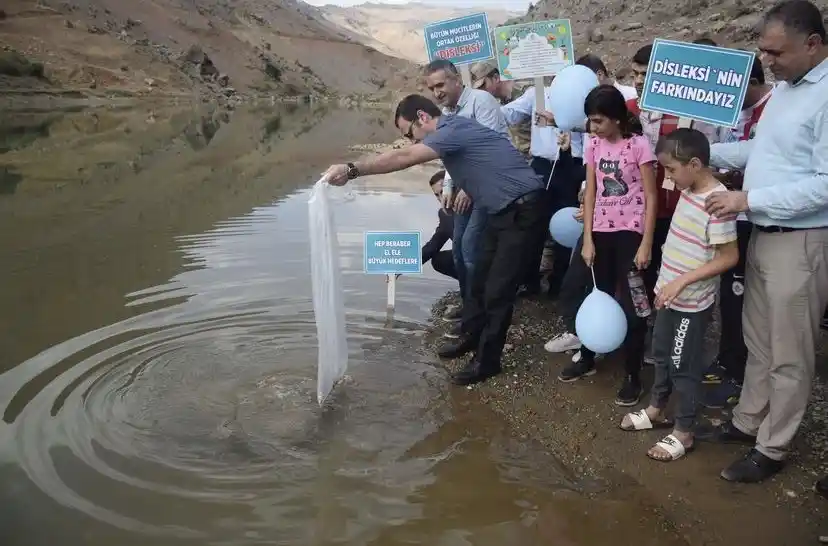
column 410, row 134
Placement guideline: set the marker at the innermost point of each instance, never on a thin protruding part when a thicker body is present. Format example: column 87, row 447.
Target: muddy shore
column 578, row 423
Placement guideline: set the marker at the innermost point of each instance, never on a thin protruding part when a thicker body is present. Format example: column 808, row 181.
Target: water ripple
column 205, row 407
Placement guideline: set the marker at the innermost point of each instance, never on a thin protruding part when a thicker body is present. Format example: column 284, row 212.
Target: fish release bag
column 328, row 305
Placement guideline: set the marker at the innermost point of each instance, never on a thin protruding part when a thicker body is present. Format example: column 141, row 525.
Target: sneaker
column 577, row 370
column 723, row 395
column 578, row 356
column 453, row 313
column 457, row 348
column 455, row 331
column 715, row 374
column 562, row 343
column 630, row 392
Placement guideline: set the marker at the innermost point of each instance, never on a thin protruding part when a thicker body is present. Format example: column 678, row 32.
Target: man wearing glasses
column 496, row 176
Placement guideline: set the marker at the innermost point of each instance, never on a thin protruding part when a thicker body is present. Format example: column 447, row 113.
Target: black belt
column 777, row 229
column 527, row 197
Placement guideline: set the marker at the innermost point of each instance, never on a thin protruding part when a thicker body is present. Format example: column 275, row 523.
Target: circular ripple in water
column 199, row 420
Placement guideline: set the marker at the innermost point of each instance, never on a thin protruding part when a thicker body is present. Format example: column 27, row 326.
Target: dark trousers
column 443, row 263
column 614, row 257
column 662, row 228
column 732, row 349
column 562, row 192
column 487, row 312
column 678, row 349
column 577, row 283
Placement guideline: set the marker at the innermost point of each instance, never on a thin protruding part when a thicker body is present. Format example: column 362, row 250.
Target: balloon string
column 592, row 270
column 549, row 180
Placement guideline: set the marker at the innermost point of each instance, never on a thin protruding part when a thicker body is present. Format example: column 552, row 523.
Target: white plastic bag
column 328, row 306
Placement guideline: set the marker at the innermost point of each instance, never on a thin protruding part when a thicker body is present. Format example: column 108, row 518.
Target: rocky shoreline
column 578, row 423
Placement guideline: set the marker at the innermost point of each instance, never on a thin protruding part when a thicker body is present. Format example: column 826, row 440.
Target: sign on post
column 534, row 50
column 462, row 41
column 392, row 252
column 695, row 81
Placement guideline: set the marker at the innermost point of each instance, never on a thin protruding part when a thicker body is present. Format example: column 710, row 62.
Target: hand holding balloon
column 564, row 228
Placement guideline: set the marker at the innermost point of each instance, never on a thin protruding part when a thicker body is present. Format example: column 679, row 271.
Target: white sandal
column 641, row 421
column 673, row 447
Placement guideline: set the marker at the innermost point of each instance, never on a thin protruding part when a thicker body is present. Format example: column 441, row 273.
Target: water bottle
column 638, row 293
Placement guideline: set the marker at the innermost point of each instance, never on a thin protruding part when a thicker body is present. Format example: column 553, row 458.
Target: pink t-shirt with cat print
column 619, row 199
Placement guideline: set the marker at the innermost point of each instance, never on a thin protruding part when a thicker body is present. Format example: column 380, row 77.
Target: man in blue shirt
column 496, row 176
column 785, row 196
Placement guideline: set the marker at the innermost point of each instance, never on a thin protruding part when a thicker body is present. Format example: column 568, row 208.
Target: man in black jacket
column 441, row 260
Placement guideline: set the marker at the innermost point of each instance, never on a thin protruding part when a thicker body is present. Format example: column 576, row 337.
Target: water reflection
column 186, row 414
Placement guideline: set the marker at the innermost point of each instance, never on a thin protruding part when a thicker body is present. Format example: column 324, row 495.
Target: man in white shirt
column 785, row 195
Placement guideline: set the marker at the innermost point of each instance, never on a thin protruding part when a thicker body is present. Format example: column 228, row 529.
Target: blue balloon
column 564, row 228
column 601, row 324
column 567, row 94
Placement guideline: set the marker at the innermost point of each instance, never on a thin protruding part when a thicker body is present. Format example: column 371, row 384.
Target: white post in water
column 392, row 292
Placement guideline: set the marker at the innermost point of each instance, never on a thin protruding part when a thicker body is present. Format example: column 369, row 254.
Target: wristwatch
column 353, row 172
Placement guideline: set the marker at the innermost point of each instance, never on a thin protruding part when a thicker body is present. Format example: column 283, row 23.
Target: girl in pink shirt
column 619, row 217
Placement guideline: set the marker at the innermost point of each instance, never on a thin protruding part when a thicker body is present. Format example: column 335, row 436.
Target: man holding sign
column 785, row 195
column 497, row 177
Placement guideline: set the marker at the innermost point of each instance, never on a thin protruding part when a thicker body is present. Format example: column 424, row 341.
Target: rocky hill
column 397, row 29
column 615, row 29
column 216, row 47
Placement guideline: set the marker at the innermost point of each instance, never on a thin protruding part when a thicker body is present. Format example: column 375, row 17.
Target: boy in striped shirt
column 699, row 247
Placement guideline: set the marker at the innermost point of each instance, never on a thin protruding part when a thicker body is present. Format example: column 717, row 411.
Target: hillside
column 216, row 47
column 397, row 29
column 615, row 29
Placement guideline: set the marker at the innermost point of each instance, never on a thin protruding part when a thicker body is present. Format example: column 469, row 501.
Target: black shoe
column 754, row 468
column 577, row 370
column 455, row 331
column 726, row 433
column 630, row 392
column 474, row 372
column 457, row 348
column 453, row 313
column 821, row 487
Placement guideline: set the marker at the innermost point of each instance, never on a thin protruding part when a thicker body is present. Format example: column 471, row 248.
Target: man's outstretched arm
column 389, row 162
column 397, row 160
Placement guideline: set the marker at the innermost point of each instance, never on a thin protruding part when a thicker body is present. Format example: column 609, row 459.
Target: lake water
column 158, row 347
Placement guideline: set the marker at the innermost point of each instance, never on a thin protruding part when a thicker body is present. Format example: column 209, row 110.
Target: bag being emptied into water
column 328, row 306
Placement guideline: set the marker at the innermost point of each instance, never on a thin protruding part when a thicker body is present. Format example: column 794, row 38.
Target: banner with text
column 392, row 252
column 534, row 50
column 699, row 82
column 463, row 40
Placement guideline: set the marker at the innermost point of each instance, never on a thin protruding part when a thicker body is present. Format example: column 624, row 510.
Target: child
column 698, row 249
column 619, row 218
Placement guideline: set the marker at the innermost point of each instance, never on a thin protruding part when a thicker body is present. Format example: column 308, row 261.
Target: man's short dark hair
column 437, row 177
column 684, row 144
column 410, row 105
column 801, row 16
column 642, row 56
column 758, row 71
column 438, row 65
column 593, row 62
column 705, row 41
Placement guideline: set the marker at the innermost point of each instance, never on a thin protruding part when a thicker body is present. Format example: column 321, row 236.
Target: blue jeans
column 464, row 242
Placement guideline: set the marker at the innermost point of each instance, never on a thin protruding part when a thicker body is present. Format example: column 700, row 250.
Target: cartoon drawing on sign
column 613, row 181
column 532, row 50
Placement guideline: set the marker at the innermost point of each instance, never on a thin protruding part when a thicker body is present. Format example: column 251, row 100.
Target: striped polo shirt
column 691, row 243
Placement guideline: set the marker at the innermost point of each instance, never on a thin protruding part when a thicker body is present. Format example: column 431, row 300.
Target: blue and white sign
column 463, row 40
column 392, row 252
column 695, row 81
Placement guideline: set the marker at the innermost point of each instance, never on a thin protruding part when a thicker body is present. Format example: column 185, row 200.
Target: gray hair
column 440, row 64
